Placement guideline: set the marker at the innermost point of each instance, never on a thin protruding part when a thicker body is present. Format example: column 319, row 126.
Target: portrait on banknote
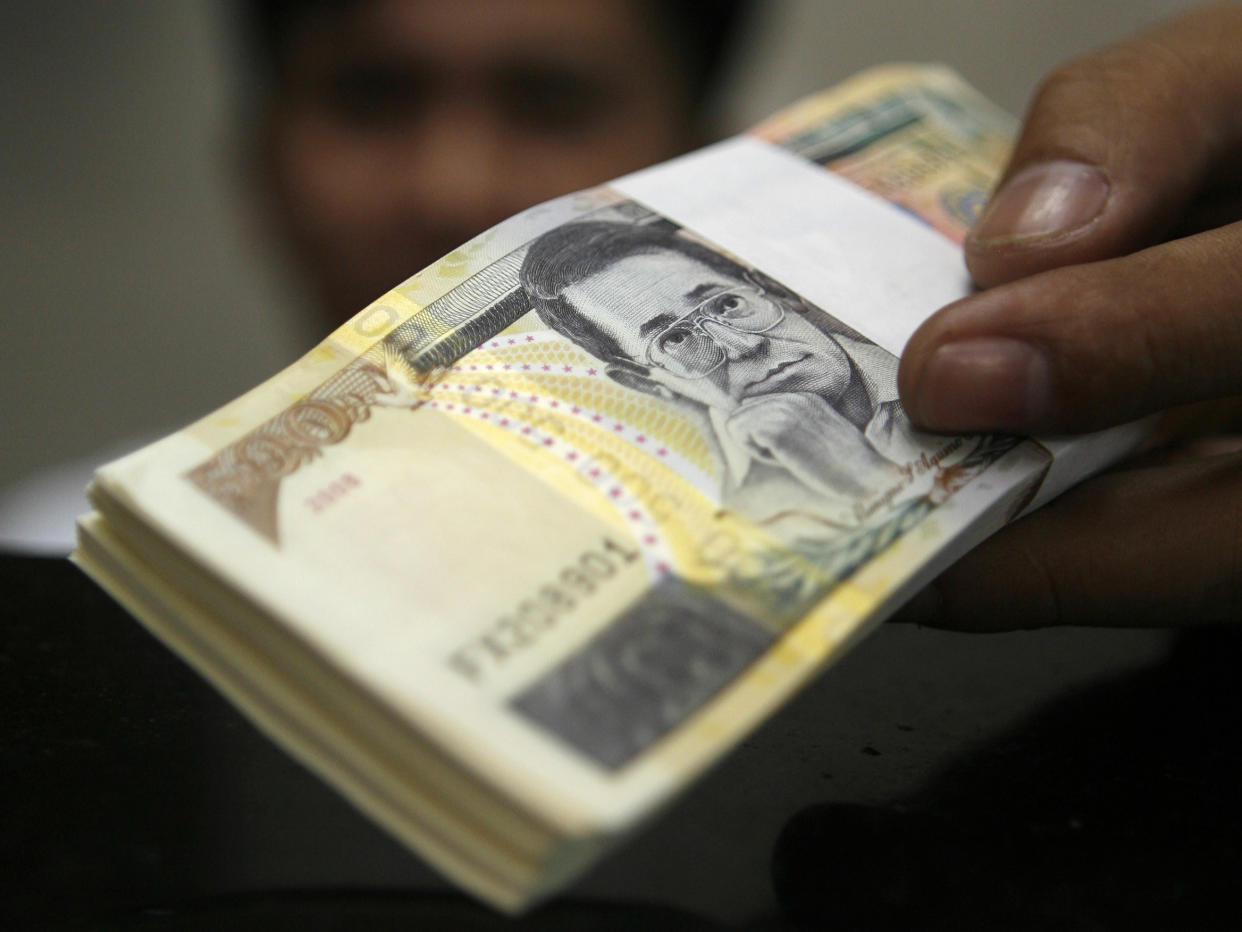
column 796, row 403
column 621, row 336
column 813, row 449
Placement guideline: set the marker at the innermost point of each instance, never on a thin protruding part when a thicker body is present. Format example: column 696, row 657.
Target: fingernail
column 1043, row 201
column 983, row 383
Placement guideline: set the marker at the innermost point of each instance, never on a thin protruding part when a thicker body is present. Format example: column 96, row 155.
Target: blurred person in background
column 389, row 132
column 396, row 130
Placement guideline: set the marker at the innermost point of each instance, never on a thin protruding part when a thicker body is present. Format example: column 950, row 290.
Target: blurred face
column 707, row 336
column 401, row 128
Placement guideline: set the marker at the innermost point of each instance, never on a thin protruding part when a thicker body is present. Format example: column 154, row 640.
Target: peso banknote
column 541, row 533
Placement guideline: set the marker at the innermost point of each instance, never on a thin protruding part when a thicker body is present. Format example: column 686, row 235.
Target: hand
column 1111, row 256
column 803, row 433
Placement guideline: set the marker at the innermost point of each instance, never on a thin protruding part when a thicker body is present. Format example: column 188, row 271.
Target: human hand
column 1112, row 262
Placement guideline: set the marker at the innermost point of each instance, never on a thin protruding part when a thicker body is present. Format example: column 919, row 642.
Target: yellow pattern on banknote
column 707, row 507
column 583, row 501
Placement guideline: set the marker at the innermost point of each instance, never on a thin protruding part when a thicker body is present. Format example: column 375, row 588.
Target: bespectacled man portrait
column 797, row 402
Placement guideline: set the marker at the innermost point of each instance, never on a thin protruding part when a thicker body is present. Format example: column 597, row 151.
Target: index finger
column 1115, row 147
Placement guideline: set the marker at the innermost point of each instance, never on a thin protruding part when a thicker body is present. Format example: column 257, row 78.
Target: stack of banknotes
column 521, row 549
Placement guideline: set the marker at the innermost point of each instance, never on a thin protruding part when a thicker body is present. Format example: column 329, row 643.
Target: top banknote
column 581, row 503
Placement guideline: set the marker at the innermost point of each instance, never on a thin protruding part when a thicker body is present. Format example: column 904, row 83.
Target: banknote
column 536, row 537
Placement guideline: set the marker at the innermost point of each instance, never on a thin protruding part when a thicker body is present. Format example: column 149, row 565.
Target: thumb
column 1115, row 148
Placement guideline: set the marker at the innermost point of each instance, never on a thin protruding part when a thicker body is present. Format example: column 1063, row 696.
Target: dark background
column 1064, row 779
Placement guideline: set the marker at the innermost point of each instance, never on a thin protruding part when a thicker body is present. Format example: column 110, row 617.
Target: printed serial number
column 534, row 616
column 333, row 492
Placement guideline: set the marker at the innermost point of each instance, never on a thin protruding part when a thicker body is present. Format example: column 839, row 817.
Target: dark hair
column 700, row 33
column 571, row 253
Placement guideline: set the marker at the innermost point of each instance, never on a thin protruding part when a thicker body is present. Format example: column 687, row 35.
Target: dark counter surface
column 1060, row 780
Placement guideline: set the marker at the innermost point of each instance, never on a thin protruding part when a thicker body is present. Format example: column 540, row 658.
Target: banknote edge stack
column 464, row 823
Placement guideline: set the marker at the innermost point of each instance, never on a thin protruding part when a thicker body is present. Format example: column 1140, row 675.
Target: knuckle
column 1072, row 80
column 1135, row 334
column 1165, row 76
column 1103, row 75
column 1151, row 357
column 1072, row 112
column 1221, row 316
column 1144, row 77
column 1109, row 352
column 1225, row 256
column 1177, row 83
column 1066, row 79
